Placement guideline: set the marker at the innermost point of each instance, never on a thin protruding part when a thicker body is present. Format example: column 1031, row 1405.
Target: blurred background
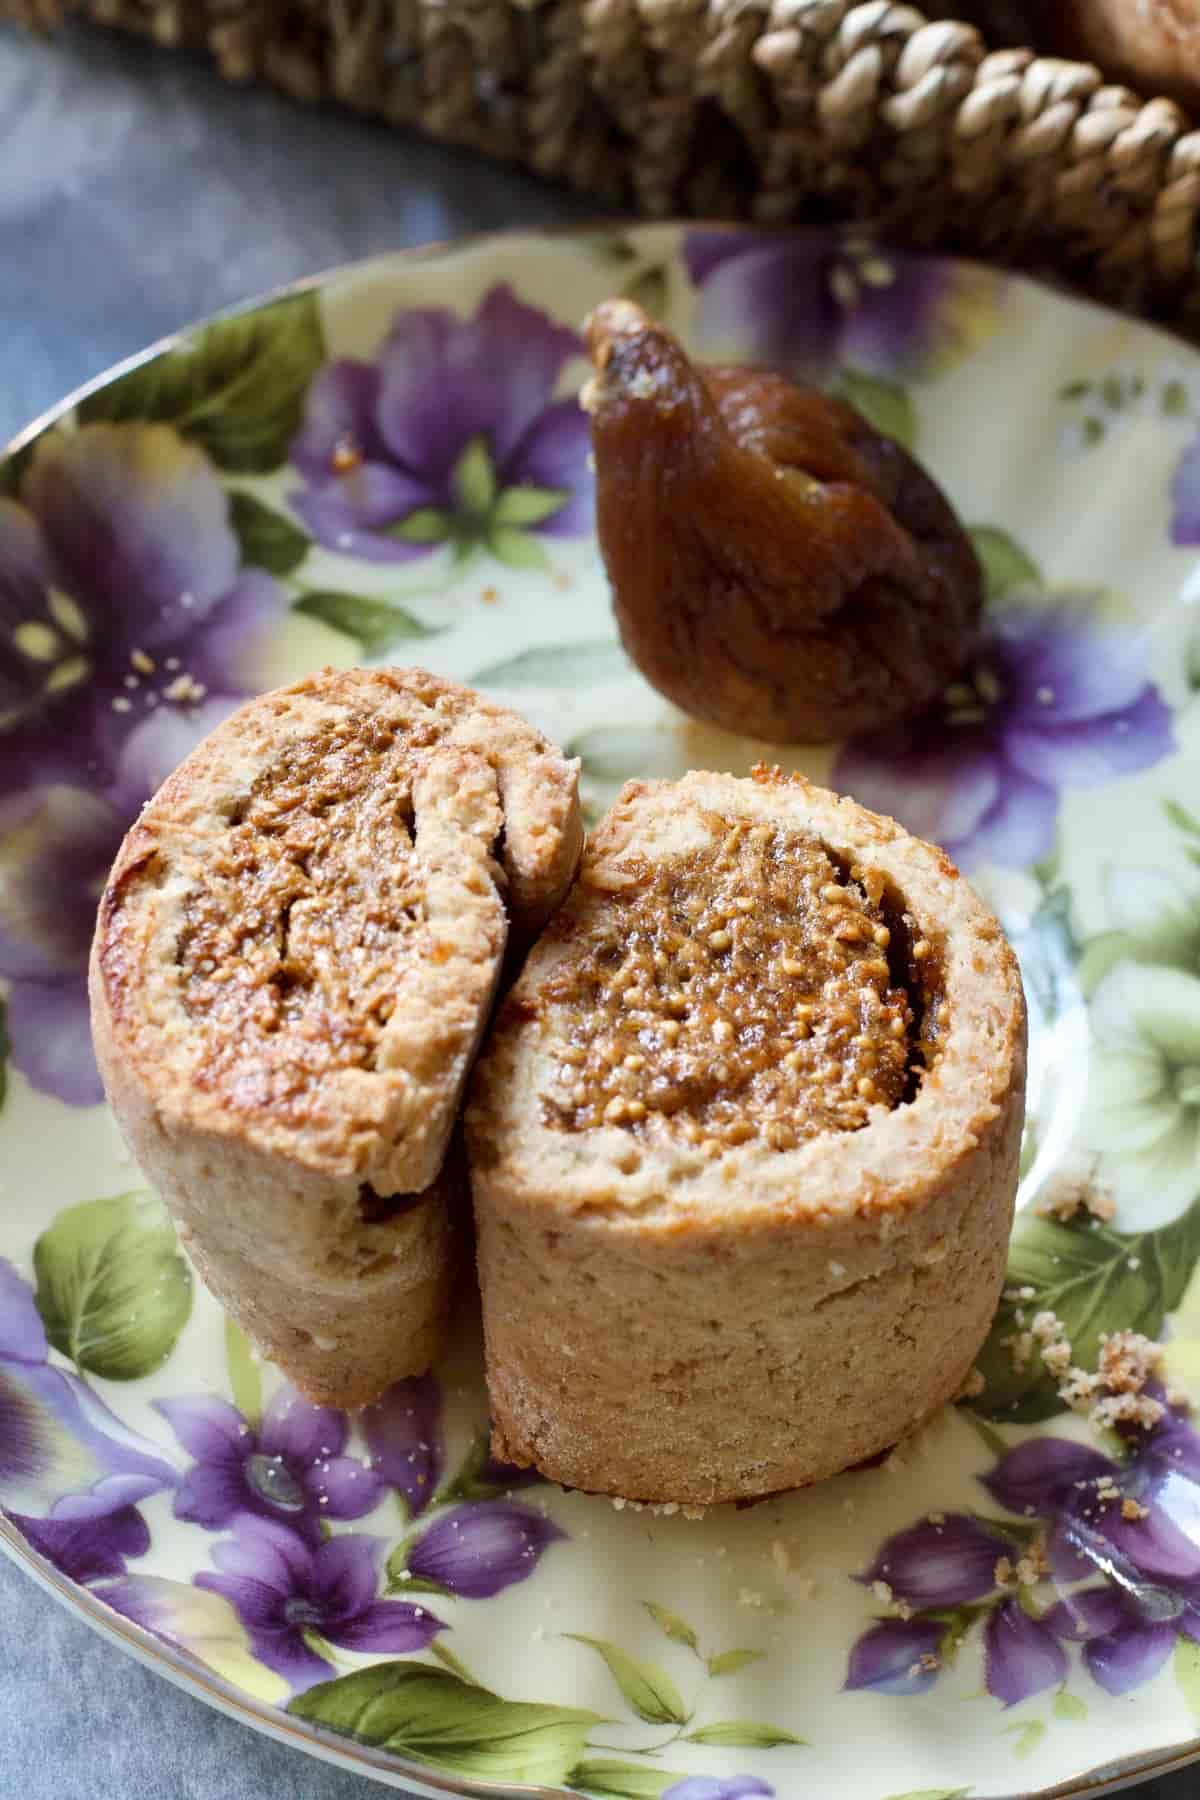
column 138, row 193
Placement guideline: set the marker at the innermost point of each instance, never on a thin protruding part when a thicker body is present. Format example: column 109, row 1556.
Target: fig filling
column 752, row 988
column 292, row 951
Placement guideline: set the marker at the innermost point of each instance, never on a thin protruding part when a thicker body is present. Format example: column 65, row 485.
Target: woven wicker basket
column 776, row 110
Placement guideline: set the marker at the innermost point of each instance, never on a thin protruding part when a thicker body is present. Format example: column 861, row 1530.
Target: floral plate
column 389, row 464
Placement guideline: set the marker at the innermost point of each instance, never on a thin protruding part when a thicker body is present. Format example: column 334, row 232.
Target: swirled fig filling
column 750, row 988
column 294, row 945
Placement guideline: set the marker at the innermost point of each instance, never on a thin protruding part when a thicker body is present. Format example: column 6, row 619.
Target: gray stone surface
column 137, row 193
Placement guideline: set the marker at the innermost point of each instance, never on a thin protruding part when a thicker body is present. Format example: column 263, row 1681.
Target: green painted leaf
column 415, row 1710
column 931, row 1794
column 883, row 404
column 466, row 1483
column 649, row 289
column 1174, row 398
column 245, row 1373
column 997, row 1444
column 742, row 1734
column 1026, row 1531
column 427, row 525
column 1005, row 565
column 266, row 538
column 648, row 1689
column 454, row 1663
column 400, row 1579
column 1069, row 1706
column 624, row 1781
column 1191, row 660
column 1096, row 1280
column 730, row 1661
column 677, row 1629
column 113, row 1291
column 1181, row 818
column 957, row 1622
column 406, row 1584
column 609, row 246
column 517, row 549
column 528, row 505
column 236, row 388
column 589, row 662
column 1028, row 1737
column 319, row 1645
column 376, row 624
column 1187, row 1672
column 474, row 479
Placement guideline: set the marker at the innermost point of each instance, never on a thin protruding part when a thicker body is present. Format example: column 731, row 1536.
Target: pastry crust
column 673, row 1321
column 295, row 959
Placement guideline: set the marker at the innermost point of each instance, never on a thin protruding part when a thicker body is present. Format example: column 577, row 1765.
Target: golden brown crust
column 294, row 962
column 670, row 1324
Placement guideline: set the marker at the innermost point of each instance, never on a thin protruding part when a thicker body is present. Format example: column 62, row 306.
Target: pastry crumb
column 1072, row 1189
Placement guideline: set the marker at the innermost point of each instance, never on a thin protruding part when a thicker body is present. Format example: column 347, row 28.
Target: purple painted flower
column 290, row 1595
column 120, row 593
column 451, row 435
column 948, row 1564
column 404, row 1435
column 897, row 1657
column 201, row 1625
column 291, row 1470
column 1125, row 1646
column 1052, row 701
column 708, row 1787
column 127, row 628
column 1040, row 1474
column 482, row 1548
column 1022, row 1656
column 1136, row 1519
column 806, row 302
column 59, row 843
column 88, row 1549
column 1134, row 1523
column 1129, row 1658
column 63, row 1455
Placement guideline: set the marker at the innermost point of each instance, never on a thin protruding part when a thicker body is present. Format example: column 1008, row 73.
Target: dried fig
column 777, row 565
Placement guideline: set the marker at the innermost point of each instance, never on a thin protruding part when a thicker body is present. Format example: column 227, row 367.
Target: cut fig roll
column 743, row 1147
column 295, row 960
